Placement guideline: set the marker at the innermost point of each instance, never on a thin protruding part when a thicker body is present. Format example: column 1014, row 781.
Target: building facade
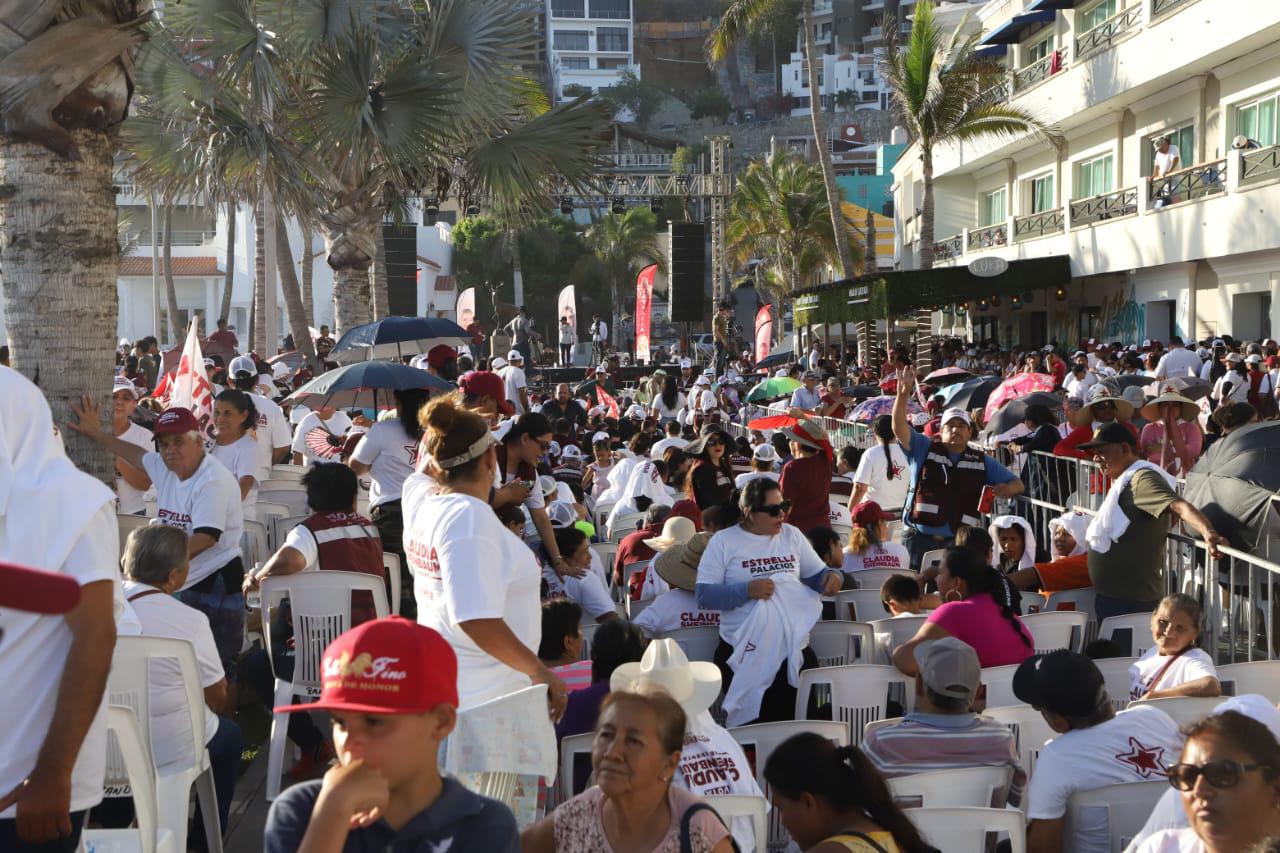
column 1191, row 251
column 590, row 43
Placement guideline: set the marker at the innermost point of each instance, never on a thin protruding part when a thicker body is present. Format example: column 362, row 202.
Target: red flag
column 161, row 391
column 764, row 332
column 190, row 386
column 644, row 312
column 606, row 399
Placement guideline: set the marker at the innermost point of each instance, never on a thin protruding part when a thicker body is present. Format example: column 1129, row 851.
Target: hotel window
column 992, row 208
column 1097, row 15
column 1041, row 189
column 1094, row 177
column 1257, row 120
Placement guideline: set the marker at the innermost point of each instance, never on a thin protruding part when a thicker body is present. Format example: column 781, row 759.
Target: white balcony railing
column 181, row 237
column 1104, row 35
column 1188, row 185
column 1039, row 71
column 948, row 247
column 1112, row 205
column 1258, row 166
column 1041, row 224
column 1164, row 7
column 989, row 237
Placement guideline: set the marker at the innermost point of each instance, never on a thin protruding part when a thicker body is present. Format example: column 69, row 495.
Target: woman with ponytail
column 235, row 421
column 833, row 800
column 869, row 544
column 882, row 470
column 977, row 609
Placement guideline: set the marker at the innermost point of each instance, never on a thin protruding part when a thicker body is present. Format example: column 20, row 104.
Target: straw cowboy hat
column 679, row 565
column 1101, row 394
column 676, row 530
column 695, row 685
column 1189, row 412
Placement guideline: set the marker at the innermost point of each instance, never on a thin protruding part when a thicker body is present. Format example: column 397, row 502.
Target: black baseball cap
column 1063, row 681
column 1112, row 433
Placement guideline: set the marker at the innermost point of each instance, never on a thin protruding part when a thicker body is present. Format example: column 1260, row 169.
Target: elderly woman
column 765, row 578
column 1172, row 438
column 633, row 806
column 155, row 564
column 198, row 495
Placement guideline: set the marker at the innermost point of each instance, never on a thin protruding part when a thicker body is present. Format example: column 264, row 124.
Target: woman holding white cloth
column 765, row 579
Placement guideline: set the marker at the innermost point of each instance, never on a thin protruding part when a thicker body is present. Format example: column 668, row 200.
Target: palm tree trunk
column 378, row 277
column 924, row 318
column 308, row 271
column 293, row 306
column 170, row 289
column 229, row 261
column 60, row 257
column 812, row 57
column 257, row 326
column 350, row 298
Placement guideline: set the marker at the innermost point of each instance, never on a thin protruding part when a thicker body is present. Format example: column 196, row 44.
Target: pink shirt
column 575, row 675
column 1153, row 433
column 978, row 622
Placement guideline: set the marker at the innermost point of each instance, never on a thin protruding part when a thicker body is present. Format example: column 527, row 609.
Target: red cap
column 483, row 383
column 175, row 420
column 386, row 666
column 868, row 513
column 37, row 591
column 439, row 354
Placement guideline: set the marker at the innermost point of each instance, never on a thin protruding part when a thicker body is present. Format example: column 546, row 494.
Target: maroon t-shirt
column 806, row 482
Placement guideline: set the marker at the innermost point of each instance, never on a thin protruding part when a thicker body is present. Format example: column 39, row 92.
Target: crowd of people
column 519, row 513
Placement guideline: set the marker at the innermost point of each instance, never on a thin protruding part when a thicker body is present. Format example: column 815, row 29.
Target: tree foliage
column 711, row 102
column 633, row 95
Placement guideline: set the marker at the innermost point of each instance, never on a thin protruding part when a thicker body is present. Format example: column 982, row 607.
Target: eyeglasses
column 544, row 446
column 1222, row 773
column 774, row 510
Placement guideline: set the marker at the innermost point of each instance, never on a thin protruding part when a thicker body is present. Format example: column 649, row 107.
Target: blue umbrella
column 776, row 359
column 367, row 385
column 396, row 337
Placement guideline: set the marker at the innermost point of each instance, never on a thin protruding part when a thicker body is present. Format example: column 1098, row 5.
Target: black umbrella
column 776, row 359
column 862, row 392
column 1235, row 480
column 1015, row 411
column 1127, row 380
column 970, row 395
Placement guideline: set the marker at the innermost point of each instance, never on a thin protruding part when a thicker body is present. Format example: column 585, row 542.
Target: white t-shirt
column 600, row 478
column 1179, row 361
column 1135, row 746
column 1239, row 392
column 599, row 331
column 873, row 472
column 208, row 498
column 713, row 763
column 243, row 458
column 32, row 658
column 338, row 424
column 735, row 556
column 513, row 380
column 741, row 480
column 660, row 446
column 1079, row 387
column 675, row 608
column 589, row 591
column 131, row 499
column 659, row 408
column 1172, row 841
column 467, row 566
column 1191, row 665
column 1164, row 161
column 163, row 615
column 391, row 456
column 887, row 555
column 707, row 401
column 273, row 427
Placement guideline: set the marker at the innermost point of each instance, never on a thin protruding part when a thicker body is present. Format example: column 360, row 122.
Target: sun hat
column 123, row 383
column 1189, row 412
column 36, row 590
column 386, row 666
column 483, row 383
column 868, row 513
column 807, row 433
column 676, row 530
column 678, row 565
column 176, row 420
column 949, row 667
column 1102, row 394
column 695, row 685
column 695, row 447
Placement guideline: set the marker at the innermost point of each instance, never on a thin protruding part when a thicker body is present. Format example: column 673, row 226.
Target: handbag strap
column 1155, row 682
column 686, row 821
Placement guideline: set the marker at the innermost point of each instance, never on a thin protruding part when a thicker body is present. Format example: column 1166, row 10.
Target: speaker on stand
column 687, row 271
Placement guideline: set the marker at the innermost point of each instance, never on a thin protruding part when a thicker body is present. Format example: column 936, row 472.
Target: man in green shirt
column 1126, row 565
column 720, row 330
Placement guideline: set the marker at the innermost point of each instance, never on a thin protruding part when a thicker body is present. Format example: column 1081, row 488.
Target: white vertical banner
column 190, row 387
column 465, row 307
column 567, row 306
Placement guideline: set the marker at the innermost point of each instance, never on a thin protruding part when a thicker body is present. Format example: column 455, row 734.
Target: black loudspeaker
column 400, row 242
column 687, row 271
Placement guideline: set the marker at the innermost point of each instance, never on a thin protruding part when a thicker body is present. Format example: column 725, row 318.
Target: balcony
column 568, row 12
column 1110, row 31
column 1039, row 71
column 1112, row 205
column 1164, row 7
column 1188, row 185
column 989, row 237
column 1041, row 224
column 642, row 162
column 1260, row 166
column 180, row 237
column 948, row 247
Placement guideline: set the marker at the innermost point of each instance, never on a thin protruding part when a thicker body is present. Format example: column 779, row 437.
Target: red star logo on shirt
column 1146, row 760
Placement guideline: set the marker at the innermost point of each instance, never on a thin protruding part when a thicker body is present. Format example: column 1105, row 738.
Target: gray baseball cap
column 949, row 667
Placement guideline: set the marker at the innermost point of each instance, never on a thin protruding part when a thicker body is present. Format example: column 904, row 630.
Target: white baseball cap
column 635, row 410
column 515, row 355
column 243, row 364
column 601, row 436
column 122, row 383
column 571, row 451
column 498, row 363
column 702, row 380
column 765, row 453
column 953, row 413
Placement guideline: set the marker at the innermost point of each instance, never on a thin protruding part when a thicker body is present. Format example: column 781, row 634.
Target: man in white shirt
column 274, row 435
column 131, row 483
column 1167, row 158
column 1095, row 747
column 1080, row 378
column 1178, row 361
column 807, row 396
column 332, row 421
column 672, row 439
column 599, row 338
column 513, row 380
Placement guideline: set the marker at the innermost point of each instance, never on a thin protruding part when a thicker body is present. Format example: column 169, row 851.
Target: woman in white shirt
column 1232, row 386
column 235, row 421
column 1174, row 666
column 475, row 582
column 668, row 404
column 882, row 471
column 869, row 545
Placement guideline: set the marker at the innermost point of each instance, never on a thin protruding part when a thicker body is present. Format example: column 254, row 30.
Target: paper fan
column 319, row 442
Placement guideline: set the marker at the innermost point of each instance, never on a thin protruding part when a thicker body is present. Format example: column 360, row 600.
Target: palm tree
column 779, row 214
column 937, row 86
column 67, row 85
column 744, row 16
column 342, row 116
column 622, row 245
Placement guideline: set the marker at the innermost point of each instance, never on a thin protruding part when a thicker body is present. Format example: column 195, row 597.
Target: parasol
column 366, row 385
column 1013, row 412
column 1234, row 482
column 970, row 394
column 1014, row 387
column 948, row 376
column 776, row 359
column 397, row 337
column 869, row 410
column 775, row 386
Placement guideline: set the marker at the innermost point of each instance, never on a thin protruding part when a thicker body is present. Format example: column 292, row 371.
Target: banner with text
column 465, row 307
column 190, row 386
column 764, row 331
column 644, row 310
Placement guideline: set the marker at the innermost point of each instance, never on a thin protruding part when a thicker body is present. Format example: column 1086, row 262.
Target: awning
column 1051, row 5
column 903, row 292
column 1013, row 31
column 991, row 50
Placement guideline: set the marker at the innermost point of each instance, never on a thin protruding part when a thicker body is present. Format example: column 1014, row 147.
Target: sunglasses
column 774, row 510
column 714, row 442
column 1222, row 773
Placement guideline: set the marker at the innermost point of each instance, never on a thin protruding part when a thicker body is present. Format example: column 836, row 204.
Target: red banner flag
column 764, row 332
column 607, row 400
column 644, row 310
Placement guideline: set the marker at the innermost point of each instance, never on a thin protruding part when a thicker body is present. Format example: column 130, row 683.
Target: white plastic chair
column 600, row 514
column 1080, row 600
column 125, row 738
column 624, row 525
column 875, row 578
column 838, row 643
column 1029, row 728
column 129, row 523
column 932, row 558
column 1185, row 710
column 627, row 571
column 282, row 524
column 859, row 693
column 859, row 605
column 961, row 830
column 268, row 512
column 1059, row 629
column 256, row 545
column 1132, row 633
column 730, row 806
column 964, row 787
column 391, row 562
column 186, row 761
column 1261, row 677
column 320, row 604
column 1127, row 808
column 287, row 473
column 698, row 643
column 635, row 608
column 999, row 683
column 606, row 551
column 571, row 747
column 588, row 630
column 286, row 494
column 893, row 632
column 1032, row 602
column 1115, row 672
column 282, row 484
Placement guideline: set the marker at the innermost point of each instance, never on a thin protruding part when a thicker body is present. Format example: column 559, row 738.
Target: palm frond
column 739, row 19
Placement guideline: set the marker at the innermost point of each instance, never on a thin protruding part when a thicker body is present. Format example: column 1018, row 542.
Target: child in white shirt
column 1174, row 666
